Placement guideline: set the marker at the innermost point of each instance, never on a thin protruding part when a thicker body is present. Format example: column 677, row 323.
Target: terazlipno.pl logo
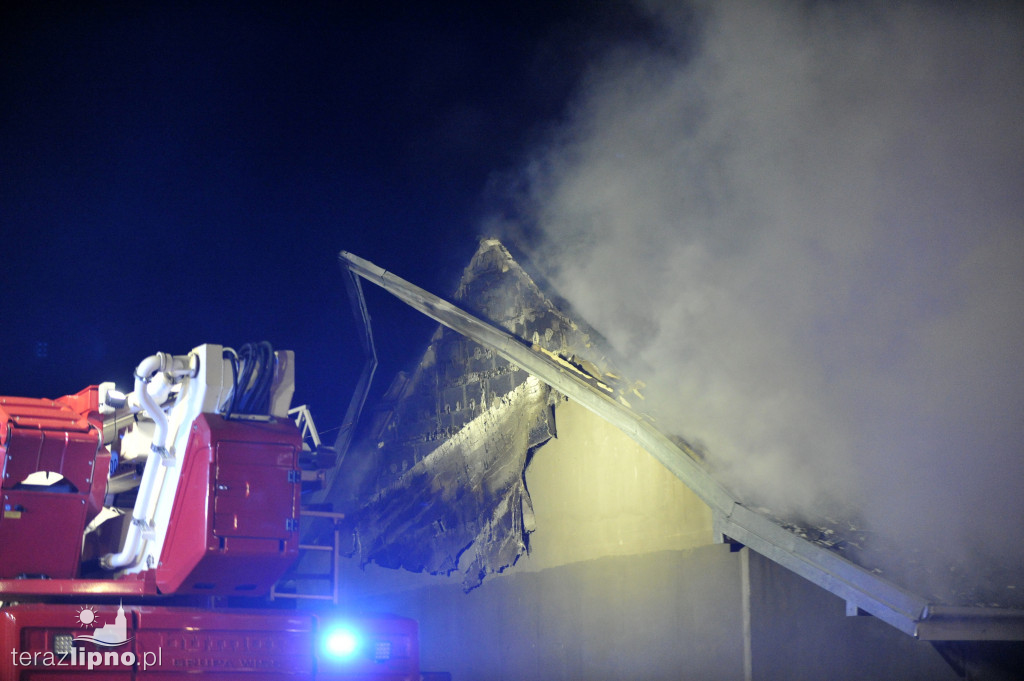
column 70, row 652
column 109, row 635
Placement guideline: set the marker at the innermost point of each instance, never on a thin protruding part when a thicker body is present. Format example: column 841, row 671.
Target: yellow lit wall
column 596, row 493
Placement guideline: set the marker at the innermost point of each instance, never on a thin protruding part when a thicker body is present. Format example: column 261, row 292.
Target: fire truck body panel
column 189, row 487
column 164, row 644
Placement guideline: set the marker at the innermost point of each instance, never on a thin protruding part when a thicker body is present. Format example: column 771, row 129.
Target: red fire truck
column 142, row 533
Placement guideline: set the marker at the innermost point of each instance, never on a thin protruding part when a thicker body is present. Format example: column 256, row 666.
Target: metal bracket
column 166, row 456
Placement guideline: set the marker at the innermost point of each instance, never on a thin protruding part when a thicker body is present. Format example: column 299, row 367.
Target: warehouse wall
column 615, row 618
column 623, row 582
column 799, row 631
column 703, row 614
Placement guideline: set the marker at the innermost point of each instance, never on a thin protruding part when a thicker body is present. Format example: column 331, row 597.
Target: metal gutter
column 860, row 588
column 950, row 623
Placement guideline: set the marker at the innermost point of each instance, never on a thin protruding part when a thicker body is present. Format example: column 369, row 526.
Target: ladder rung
column 299, row 576
column 314, row 597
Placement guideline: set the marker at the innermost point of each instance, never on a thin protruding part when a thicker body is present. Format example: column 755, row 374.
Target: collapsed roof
column 450, row 441
column 450, row 444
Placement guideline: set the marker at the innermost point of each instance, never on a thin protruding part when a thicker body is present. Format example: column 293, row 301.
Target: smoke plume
column 803, row 221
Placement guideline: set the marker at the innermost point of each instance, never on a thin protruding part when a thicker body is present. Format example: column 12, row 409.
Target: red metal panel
column 41, row 414
column 253, row 496
column 29, row 640
column 231, row 532
column 253, row 645
column 175, row 644
column 69, row 453
column 41, row 533
column 46, row 521
column 85, row 402
column 142, row 584
column 161, row 644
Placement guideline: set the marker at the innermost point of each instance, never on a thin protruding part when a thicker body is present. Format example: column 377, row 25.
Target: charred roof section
column 438, row 485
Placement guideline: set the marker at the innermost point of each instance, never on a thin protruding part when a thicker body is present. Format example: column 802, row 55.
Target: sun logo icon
column 87, row 616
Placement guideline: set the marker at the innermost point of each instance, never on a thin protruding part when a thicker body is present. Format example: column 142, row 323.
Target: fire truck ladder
column 332, row 576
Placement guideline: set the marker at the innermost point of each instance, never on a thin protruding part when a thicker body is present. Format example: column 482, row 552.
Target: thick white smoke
column 805, row 223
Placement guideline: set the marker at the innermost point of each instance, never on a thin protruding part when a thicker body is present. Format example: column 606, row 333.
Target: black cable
column 231, row 355
column 254, row 369
column 266, row 378
column 247, row 366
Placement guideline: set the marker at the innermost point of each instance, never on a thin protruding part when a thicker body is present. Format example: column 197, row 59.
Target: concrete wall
column 613, row 618
column 623, row 582
column 799, row 631
column 703, row 614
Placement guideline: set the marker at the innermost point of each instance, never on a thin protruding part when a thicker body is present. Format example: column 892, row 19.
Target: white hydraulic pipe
column 154, row 365
column 143, row 374
column 133, row 540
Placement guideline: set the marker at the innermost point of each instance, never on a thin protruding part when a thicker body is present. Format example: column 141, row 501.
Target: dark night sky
column 179, row 173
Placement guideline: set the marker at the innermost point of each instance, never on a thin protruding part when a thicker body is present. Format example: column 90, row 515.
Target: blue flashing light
column 340, row 643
